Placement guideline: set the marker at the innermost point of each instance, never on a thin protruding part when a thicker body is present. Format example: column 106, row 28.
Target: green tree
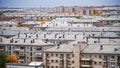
column 78, row 17
column 3, row 60
column 1, row 13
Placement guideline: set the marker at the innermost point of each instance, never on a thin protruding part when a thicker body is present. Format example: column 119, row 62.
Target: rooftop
column 93, row 48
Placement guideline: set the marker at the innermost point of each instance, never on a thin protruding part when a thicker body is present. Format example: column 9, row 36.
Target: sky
column 54, row 3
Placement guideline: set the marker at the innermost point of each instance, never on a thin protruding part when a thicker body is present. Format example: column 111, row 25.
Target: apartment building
column 27, row 49
column 79, row 54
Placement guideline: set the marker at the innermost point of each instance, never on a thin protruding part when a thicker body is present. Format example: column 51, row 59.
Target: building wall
column 76, row 59
column 25, row 53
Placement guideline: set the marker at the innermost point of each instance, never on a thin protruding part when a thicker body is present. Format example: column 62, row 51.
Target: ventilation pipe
column 101, row 47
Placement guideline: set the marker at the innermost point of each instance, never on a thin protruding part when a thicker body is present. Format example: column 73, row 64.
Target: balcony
column 21, row 60
column 105, row 65
column 1, row 48
column 69, row 57
column 112, row 59
column 37, row 55
column 60, row 63
column 86, row 59
column 22, row 54
column 48, row 63
column 61, row 57
column 17, row 49
column 87, row 66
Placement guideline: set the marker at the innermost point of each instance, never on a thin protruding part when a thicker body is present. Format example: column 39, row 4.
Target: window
column 30, row 53
column 51, row 54
column 56, row 55
column 112, row 57
column 61, row 67
column 52, row 66
column 56, row 66
column 112, row 63
column 68, row 55
column 51, row 60
column 100, row 63
column 100, row 56
column 90, row 56
column 95, row 41
column 61, row 55
column 105, row 63
column 95, row 55
column 48, row 67
column 47, row 55
column 47, row 60
column 30, row 48
column 95, row 62
column 73, row 55
column 105, row 57
column 56, row 61
column 73, row 62
column 31, row 58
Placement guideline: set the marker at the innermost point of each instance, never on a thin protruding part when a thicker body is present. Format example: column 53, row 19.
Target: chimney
column 115, row 49
column 26, row 35
column 46, row 40
column 18, row 35
column 58, row 46
column 98, row 40
column 93, row 34
column 15, row 41
column 55, row 35
column 75, row 36
column 24, row 40
column 33, row 40
column 101, row 47
column 36, row 35
column 11, row 41
column 87, row 40
column 0, row 39
column 44, row 35
column 63, row 35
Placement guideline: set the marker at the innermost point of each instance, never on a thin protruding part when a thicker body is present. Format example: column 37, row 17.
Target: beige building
column 27, row 49
column 79, row 55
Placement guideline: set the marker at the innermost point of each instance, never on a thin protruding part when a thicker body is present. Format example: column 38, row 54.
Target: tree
column 12, row 58
column 78, row 17
column 1, row 13
column 3, row 60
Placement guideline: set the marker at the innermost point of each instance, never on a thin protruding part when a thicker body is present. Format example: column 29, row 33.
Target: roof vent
column 36, row 35
column 58, row 46
column 24, row 40
column 18, row 35
column 44, row 35
column 115, row 49
column 75, row 36
column 15, row 41
column 0, row 39
column 33, row 40
column 78, row 42
column 11, row 41
column 101, row 47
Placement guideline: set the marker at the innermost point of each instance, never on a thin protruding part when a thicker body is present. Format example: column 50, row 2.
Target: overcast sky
column 53, row 3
